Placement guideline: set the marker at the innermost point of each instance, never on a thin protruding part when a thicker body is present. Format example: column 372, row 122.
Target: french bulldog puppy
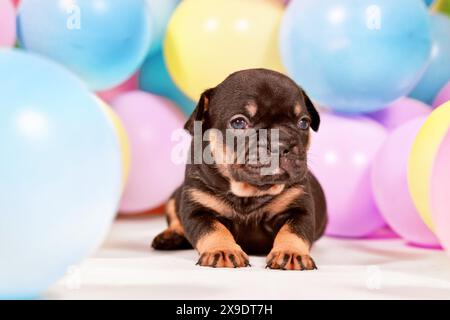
column 237, row 203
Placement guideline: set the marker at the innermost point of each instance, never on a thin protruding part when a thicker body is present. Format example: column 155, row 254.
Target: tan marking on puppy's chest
column 276, row 206
column 211, row 202
column 245, row 190
column 282, row 202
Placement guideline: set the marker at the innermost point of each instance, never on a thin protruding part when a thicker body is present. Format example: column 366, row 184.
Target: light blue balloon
column 160, row 11
column 438, row 72
column 60, row 173
column 356, row 56
column 104, row 42
column 155, row 78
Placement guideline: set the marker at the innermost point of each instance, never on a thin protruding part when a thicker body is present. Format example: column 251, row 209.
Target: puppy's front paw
column 224, row 258
column 290, row 261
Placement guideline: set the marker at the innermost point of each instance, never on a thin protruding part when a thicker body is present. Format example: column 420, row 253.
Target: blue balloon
column 429, row 2
column 104, row 42
column 60, row 170
column 438, row 72
column 155, row 78
column 356, row 56
column 161, row 11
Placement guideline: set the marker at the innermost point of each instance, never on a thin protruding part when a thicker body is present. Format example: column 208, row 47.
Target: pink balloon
column 131, row 84
column 443, row 96
column 440, row 185
column 340, row 157
column 149, row 121
column 7, row 24
column 400, row 112
column 390, row 185
column 384, row 233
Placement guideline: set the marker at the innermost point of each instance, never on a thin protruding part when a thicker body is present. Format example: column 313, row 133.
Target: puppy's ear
column 315, row 117
column 201, row 111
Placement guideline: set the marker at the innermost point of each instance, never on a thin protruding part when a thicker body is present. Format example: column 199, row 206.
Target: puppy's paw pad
column 290, row 261
column 170, row 240
column 224, row 258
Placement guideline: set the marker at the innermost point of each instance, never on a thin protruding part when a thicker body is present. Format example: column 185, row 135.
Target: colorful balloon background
column 208, row 40
column 443, row 96
column 82, row 40
column 390, row 186
column 160, row 11
column 149, row 122
column 350, row 55
column 155, row 78
column 438, row 71
column 61, row 173
column 400, row 112
column 131, row 84
column 341, row 160
column 7, row 24
column 439, row 192
column 423, row 153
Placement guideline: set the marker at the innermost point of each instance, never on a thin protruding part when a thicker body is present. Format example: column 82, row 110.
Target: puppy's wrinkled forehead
column 257, row 93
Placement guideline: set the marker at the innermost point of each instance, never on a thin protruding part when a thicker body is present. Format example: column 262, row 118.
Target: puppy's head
column 265, row 107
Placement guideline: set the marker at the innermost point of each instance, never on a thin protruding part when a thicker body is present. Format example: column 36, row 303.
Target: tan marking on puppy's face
column 308, row 146
column 283, row 201
column 174, row 222
column 287, row 241
column 252, row 109
column 297, row 109
column 205, row 104
column 245, row 190
column 211, row 202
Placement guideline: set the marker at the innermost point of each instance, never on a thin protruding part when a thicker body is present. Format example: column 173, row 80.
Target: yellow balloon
column 442, row 6
column 207, row 40
column 422, row 157
column 122, row 137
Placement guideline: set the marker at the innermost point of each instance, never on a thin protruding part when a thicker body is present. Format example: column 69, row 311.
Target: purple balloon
column 150, row 122
column 341, row 156
column 443, row 96
column 390, row 186
column 400, row 112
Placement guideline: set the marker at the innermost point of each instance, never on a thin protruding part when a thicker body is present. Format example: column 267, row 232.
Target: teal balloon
column 103, row 41
column 356, row 56
column 438, row 72
column 161, row 12
column 155, row 78
column 60, row 169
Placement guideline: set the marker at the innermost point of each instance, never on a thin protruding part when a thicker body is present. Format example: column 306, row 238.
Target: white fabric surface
column 126, row 268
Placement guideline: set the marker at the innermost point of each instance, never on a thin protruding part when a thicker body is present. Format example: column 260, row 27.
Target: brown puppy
column 236, row 203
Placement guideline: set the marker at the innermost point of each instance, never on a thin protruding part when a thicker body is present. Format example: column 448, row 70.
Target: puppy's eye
column 304, row 123
column 239, row 123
